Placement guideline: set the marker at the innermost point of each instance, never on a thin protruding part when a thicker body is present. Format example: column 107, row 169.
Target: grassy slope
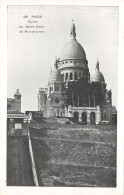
column 74, row 155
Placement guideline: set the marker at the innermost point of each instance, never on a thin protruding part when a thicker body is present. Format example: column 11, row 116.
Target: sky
column 30, row 56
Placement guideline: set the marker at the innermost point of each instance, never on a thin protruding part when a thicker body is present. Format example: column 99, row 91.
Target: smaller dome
column 55, row 75
column 98, row 76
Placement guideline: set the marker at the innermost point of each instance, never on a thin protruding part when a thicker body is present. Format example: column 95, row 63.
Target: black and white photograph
column 62, row 96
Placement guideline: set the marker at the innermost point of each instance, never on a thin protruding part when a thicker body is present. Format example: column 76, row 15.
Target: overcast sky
column 31, row 55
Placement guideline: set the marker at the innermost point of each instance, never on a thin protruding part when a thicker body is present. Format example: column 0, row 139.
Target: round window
column 57, row 100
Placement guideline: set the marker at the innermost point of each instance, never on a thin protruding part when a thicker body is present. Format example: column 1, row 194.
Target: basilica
column 71, row 92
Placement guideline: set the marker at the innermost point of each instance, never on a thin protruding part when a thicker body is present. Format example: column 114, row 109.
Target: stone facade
column 71, row 91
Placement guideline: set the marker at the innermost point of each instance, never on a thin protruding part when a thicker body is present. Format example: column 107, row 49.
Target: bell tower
column 17, row 98
column 54, row 92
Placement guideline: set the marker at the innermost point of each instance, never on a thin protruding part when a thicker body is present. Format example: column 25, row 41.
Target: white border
column 3, row 95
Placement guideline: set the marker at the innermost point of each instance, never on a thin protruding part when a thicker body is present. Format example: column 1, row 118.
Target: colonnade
column 72, row 76
column 88, row 115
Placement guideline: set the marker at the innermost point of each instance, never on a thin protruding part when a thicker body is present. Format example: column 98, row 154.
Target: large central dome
column 72, row 49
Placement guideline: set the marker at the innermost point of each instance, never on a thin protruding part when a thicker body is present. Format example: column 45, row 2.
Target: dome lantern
column 97, row 65
column 73, row 31
column 56, row 64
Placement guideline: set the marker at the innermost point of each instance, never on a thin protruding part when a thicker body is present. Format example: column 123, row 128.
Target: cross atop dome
column 73, row 31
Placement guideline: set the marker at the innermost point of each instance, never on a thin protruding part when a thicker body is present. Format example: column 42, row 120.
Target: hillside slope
column 82, row 156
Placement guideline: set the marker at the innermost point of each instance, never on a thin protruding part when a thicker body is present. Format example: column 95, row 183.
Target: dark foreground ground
column 19, row 171
column 75, row 155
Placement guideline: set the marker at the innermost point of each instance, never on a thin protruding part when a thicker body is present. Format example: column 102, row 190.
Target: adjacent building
column 15, row 118
column 14, row 104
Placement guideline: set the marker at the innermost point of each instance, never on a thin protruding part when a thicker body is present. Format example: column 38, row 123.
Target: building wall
column 14, row 105
column 11, row 104
column 18, row 103
column 42, row 98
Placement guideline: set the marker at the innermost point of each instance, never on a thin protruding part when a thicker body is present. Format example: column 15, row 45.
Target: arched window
column 56, row 87
column 92, row 117
column 71, row 76
column 75, row 76
column 84, row 117
column 62, row 77
column 76, row 116
column 66, row 76
column 104, row 115
column 79, row 74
